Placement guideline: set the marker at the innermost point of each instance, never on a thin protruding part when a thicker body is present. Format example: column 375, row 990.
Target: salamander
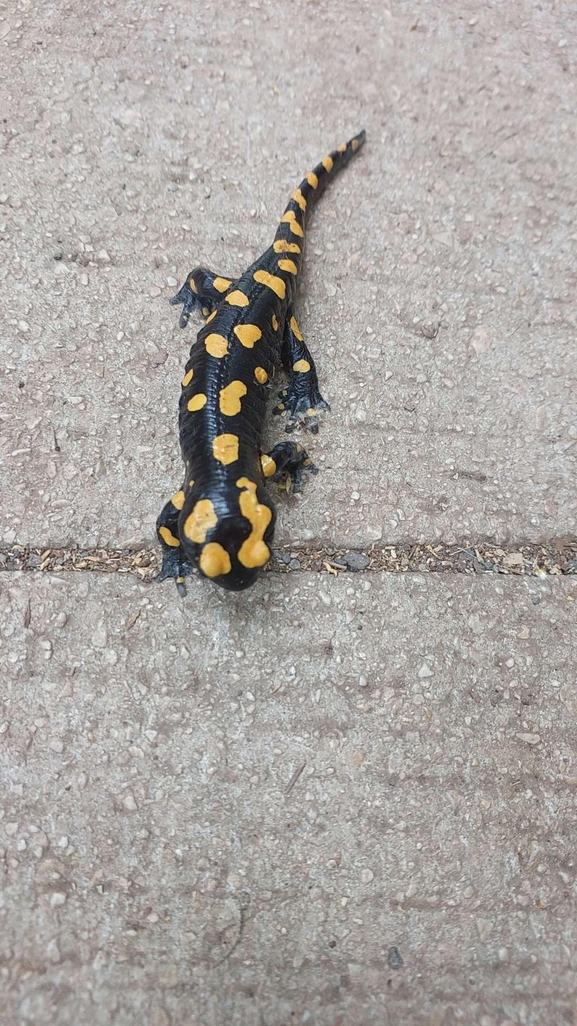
column 221, row 521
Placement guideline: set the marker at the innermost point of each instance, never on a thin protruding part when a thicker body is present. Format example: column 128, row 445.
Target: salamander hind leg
column 174, row 562
column 301, row 400
column 203, row 290
column 287, row 460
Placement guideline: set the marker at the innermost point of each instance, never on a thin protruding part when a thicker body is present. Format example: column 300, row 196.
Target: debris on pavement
column 520, row 560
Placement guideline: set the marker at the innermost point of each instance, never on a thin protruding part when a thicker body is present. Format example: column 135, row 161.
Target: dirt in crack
column 557, row 558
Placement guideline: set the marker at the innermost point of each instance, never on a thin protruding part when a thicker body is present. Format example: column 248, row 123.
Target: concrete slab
column 438, row 293
column 212, row 816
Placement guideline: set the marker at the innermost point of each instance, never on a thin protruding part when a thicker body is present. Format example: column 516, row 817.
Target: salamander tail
column 292, row 222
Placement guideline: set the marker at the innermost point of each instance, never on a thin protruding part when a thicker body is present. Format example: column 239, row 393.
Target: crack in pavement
column 558, row 557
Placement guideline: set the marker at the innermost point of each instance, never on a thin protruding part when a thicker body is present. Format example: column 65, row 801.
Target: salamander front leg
column 174, row 562
column 287, row 459
column 203, row 289
column 302, row 399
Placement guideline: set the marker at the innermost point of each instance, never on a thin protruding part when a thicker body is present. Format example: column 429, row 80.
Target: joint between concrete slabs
column 556, row 558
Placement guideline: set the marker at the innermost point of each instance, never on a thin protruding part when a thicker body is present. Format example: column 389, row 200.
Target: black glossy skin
column 204, row 527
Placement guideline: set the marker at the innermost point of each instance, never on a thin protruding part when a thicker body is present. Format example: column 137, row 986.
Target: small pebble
column 99, row 636
column 529, row 739
column 159, row 358
column 394, row 958
column 53, row 951
column 356, row 560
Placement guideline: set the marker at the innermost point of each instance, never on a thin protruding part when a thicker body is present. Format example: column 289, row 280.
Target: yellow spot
column 187, row 378
column 216, row 345
column 290, row 218
column 178, row 500
column 341, row 148
column 221, row 284
column 192, row 284
column 312, row 179
column 247, row 334
column 237, row 298
column 200, row 521
column 299, row 448
column 225, row 448
column 211, row 317
column 355, row 144
column 296, row 329
column 253, row 552
column 302, row 365
column 272, row 282
column 288, row 265
column 310, row 412
column 197, row 402
column 327, row 163
column 298, row 197
column 168, row 537
column 214, row 560
column 274, row 322
column 268, row 466
column 229, row 398
column 190, row 484
column 261, row 375
column 205, row 311
column 282, row 246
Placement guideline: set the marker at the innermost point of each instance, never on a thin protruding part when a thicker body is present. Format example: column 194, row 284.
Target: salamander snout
column 238, row 579
column 230, row 549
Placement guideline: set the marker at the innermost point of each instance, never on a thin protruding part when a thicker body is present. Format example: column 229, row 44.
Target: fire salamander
column 221, row 521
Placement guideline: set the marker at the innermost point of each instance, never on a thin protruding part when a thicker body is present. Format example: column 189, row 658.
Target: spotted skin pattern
column 221, row 522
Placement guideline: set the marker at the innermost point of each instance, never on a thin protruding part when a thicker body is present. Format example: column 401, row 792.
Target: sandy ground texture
column 343, row 798
column 245, row 821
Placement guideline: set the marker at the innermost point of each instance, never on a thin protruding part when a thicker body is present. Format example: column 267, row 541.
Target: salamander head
column 230, row 548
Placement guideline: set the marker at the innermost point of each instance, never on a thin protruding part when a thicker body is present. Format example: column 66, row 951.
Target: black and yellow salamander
column 221, row 522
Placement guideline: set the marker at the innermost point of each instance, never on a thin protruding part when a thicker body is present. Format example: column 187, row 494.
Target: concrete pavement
column 333, row 800
column 437, row 296
column 232, row 818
